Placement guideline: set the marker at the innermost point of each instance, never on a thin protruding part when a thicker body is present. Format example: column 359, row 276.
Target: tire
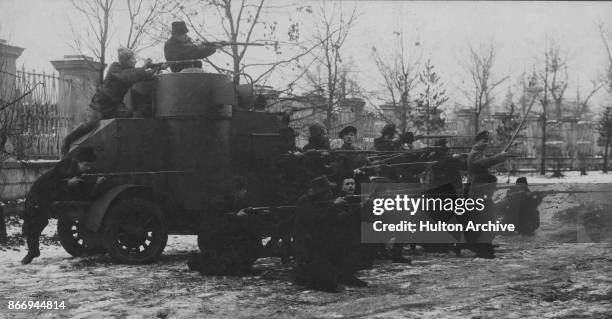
column 134, row 231
column 72, row 239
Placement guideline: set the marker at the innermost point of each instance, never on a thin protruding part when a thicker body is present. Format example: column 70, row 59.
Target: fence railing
column 36, row 118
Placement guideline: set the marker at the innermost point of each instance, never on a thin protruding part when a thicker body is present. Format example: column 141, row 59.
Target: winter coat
column 478, row 165
column 382, row 144
column 175, row 50
column 118, row 80
column 346, row 163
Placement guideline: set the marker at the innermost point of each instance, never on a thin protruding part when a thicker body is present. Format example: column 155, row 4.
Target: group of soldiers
column 324, row 184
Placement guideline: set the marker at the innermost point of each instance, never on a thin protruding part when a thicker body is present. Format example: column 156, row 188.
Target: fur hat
column 482, row 135
column 521, row 180
column 316, row 129
column 85, row 154
column 179, row 27
column 347, row 130
column 320, row 185
column 124, row 53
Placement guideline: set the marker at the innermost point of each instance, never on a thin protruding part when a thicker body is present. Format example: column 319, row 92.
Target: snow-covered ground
column 594, row 177
column 549, row 275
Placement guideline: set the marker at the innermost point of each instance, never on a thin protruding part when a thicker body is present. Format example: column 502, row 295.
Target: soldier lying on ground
column 521, row 208
column 320, row 263
column 61, row 182
column 108, row 98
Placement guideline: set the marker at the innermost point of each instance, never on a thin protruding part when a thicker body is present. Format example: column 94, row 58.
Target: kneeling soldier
column 318, row 253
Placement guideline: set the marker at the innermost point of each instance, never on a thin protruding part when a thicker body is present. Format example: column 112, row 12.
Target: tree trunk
column 476, row 120
column 543, row 148
column 606, row 150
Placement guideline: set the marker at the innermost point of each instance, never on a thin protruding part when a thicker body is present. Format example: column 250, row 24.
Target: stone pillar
column 8, row 65
column 81, row 75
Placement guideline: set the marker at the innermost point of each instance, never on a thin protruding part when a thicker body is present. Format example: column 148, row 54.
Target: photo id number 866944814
column 32, row 305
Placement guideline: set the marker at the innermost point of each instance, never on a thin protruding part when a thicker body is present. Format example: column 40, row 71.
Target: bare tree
column 332, row 27
column 140, row 15
column 95, row 37
column 400, row 73
column 242, row 22
column 143, row 15
column 581, row 107
column 482, row 84
column 558, row 79
column 553, row 79
column 605, row 38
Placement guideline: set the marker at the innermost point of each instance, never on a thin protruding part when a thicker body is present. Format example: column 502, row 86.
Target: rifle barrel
column 132, row 173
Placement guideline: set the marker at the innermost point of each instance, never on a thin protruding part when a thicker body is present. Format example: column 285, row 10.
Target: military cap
column 388, row 129
column 86, row 154
column 482, row 135
column 320, row 185
column 347, row 130
column 521, row 180
column 179, row 27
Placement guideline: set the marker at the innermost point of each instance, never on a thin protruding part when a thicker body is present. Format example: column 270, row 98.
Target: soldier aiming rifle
column 181, row 52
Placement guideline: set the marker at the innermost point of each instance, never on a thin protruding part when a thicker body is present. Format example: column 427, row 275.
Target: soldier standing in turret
column 481, row 185
column 180, row 47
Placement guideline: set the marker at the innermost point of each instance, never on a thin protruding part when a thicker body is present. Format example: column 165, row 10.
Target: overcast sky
column 443, row 30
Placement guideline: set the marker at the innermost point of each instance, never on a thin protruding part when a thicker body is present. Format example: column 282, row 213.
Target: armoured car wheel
column 134, row 231
column 72, row 239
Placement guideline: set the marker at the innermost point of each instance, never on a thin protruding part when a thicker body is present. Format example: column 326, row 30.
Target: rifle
column 262, row 210
column 226, row 43
column 369, row 167
column 158, row 66
column 132, row 173
column 520, row 125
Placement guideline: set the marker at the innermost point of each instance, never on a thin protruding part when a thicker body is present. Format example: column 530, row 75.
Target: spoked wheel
column 134, row 231
column 71, row 237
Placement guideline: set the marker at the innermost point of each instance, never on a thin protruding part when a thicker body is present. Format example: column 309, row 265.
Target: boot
column 33, row 251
